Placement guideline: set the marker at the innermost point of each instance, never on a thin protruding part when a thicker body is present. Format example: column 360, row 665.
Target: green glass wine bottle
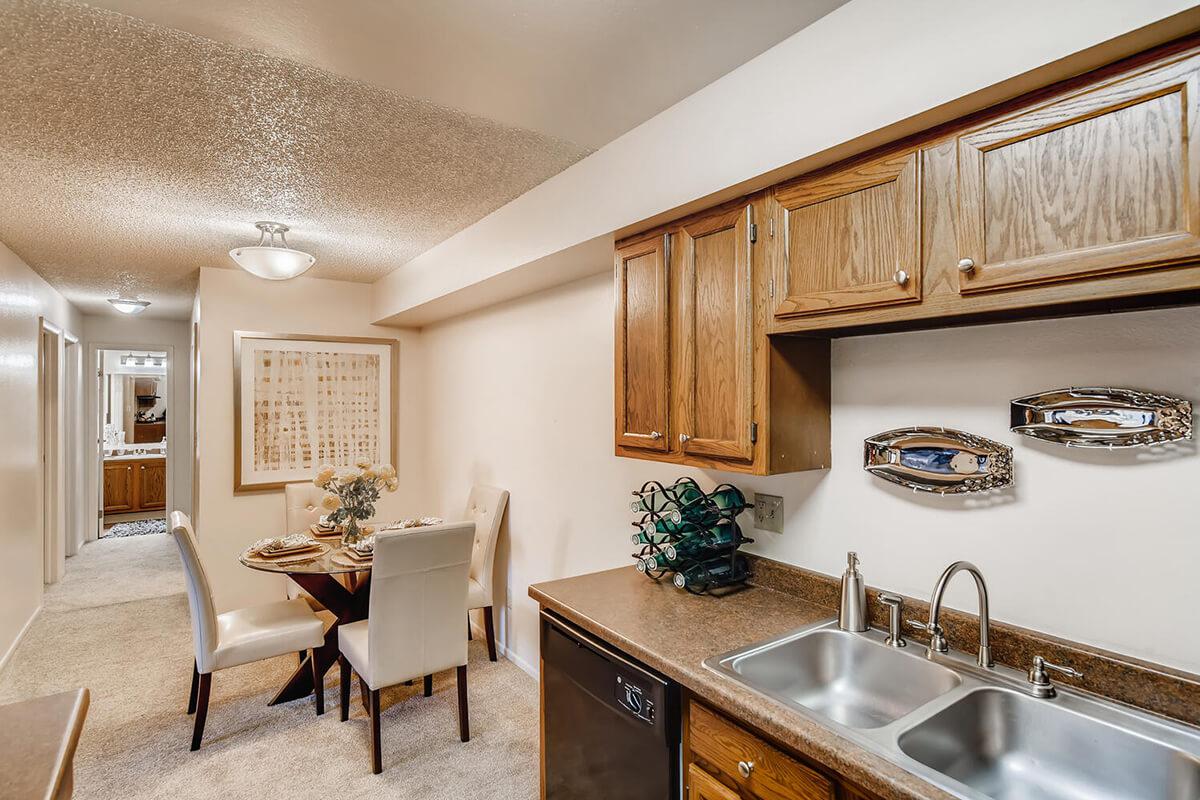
column 722, row 537
column 679, row 494
column 700, row 576
column 651, row 536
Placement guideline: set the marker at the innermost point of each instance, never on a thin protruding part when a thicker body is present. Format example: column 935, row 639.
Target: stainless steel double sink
column 974, row 732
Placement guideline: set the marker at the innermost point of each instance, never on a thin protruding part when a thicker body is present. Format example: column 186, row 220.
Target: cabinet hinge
column 753, row 432
column 753, row 232
column 771, row 287
column 771, row 227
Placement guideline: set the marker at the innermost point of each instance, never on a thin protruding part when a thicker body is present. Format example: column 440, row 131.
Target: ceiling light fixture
column 127, row 306
column 272, row 261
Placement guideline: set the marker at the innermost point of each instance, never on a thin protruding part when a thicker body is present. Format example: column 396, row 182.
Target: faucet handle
column 1039, row 681
column 937, row 636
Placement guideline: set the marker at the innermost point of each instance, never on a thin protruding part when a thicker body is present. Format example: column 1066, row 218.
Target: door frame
column 52, row 433
column 96, row 428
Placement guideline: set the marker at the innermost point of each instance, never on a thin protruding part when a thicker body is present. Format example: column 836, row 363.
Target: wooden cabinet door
column 152, row 485
column 702, row 786
column 642, row 345
column 716, row 392
column 118, row 487
column 850, row 238
column 1100, row 181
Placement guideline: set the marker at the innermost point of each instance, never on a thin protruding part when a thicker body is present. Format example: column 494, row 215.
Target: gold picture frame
column 248, row 480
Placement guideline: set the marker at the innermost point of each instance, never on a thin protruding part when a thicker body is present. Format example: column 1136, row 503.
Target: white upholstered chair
column 302, row 502
column 236, row 637
column 418, row 600
column 485, row 507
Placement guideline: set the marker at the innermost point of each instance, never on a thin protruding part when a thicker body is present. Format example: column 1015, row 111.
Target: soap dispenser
column 852, row 614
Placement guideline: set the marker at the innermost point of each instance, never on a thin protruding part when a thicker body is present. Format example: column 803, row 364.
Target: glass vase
column 352, row 535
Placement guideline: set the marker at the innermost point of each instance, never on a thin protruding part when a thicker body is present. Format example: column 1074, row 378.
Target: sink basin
column 845, row 677
column 1007, row 746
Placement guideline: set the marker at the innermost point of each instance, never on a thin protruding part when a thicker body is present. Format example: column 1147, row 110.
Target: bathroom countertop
column 673, row 632
column 135, row 457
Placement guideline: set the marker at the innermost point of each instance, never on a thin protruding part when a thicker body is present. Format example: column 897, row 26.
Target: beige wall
column 232, row 300
column 122, row 332
column 24, row 296
column 1098, row 547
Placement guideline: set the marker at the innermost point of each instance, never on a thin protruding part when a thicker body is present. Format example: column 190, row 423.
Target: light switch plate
column 768, row 512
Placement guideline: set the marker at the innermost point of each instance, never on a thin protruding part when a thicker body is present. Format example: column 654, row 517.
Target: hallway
column 118, row 624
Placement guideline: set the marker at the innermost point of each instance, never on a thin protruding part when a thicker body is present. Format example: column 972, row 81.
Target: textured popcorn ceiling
column 131, row 155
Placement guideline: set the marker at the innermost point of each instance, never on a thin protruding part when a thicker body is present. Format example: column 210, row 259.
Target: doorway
column 134, row 405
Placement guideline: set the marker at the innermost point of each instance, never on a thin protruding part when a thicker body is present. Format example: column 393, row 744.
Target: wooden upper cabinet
column 642, row 345
column 849, row 238
column 1100, row 181
column 716, row 391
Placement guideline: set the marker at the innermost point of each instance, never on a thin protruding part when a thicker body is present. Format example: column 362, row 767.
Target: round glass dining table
column 343, row 589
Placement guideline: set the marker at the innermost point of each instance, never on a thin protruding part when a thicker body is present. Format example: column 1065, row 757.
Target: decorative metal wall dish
column 939, row 460
column 1099, row 417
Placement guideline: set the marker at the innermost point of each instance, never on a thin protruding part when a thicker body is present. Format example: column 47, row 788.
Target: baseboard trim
column 502, row 651
column 20, row 636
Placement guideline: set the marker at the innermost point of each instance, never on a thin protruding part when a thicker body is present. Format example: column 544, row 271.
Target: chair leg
column 429, row 686
column 364, row 694
column 318, row 685
column 201, row 709
column 376, row 755
column 195, row 686
column 344, row 668
column 300, row 655
column 464, row 722
column 489, row 628
column 470, row 634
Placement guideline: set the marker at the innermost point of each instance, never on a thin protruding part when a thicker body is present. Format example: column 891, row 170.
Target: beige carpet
column 101, row 628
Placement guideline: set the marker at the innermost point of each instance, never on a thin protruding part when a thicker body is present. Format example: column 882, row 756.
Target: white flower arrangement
column 351, row 494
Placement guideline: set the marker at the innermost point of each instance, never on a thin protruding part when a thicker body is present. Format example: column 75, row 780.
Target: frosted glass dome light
column 127, row 306
column 269, row 260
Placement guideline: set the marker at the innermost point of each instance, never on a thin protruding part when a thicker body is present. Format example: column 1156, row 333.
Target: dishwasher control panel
column 633, row 699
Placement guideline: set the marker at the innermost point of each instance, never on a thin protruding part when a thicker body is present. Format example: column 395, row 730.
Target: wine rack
column 690, row 535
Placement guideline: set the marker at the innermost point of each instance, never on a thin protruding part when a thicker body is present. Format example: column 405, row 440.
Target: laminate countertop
column 673, row 632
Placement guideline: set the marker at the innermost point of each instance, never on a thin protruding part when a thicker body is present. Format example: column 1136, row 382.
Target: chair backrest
column 418, row 615
column 303, row 504
column 204, row 613
column 485, row 507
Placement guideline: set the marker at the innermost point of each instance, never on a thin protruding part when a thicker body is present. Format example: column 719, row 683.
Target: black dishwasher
column 611, row 725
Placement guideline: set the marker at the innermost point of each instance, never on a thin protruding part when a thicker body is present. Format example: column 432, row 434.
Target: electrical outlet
column 768, row 512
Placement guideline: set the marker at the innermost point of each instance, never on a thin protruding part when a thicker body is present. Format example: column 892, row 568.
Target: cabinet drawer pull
column 900, row 277
column 966, row 265
column 683, row 438
column 655, row 435
column 745, row 768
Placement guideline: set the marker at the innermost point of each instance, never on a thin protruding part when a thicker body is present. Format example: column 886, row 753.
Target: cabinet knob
column 966, row 265
column 683, row 437
column 745, row 768
column 900, row 277
column 655, row 435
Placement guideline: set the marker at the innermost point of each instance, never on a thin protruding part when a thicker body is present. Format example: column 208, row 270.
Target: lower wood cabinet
column 724, row 761
column 135, row 485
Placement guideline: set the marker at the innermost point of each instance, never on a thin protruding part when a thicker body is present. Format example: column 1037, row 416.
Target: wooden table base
column 347, row 605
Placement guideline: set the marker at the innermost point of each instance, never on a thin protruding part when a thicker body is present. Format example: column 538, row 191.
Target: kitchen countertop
column 673, row 632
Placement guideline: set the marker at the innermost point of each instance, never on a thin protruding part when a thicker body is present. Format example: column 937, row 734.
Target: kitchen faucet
column 937, row 637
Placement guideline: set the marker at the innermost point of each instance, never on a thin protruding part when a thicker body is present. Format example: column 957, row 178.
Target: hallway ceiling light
column 272, row 261
column 126, row 306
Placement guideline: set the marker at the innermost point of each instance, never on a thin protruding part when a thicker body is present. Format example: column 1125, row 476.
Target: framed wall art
column 303, row 401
